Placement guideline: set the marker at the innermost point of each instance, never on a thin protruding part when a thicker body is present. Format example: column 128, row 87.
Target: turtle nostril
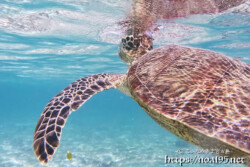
column 132, row 38
column 127, row 38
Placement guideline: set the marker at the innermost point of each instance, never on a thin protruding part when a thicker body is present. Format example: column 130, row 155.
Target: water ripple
column 70, row 39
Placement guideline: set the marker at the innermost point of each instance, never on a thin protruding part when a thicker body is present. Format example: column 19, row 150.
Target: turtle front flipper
column 49, row 127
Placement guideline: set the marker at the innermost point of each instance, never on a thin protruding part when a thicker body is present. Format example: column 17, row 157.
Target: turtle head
column 134, row 46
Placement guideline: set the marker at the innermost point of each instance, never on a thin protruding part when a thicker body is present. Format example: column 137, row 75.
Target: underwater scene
column 45, row 45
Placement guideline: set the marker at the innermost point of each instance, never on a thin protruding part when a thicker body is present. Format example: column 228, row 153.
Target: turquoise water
column 46, row 45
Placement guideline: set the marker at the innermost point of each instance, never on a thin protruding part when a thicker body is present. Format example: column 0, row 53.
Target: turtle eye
column 137, row 42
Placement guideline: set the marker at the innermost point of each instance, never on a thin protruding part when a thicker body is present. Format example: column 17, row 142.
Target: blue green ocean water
column 47, row 44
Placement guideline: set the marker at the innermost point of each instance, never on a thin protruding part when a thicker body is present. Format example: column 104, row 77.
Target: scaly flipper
column 49, row 127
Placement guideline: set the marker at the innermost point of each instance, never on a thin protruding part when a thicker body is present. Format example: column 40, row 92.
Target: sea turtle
column 199, row 95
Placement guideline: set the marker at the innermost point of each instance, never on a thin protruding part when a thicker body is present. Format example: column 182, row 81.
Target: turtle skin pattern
column 54, row 116
column 201, row 89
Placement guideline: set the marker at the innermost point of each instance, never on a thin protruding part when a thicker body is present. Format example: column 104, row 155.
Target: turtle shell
column 199, row 95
